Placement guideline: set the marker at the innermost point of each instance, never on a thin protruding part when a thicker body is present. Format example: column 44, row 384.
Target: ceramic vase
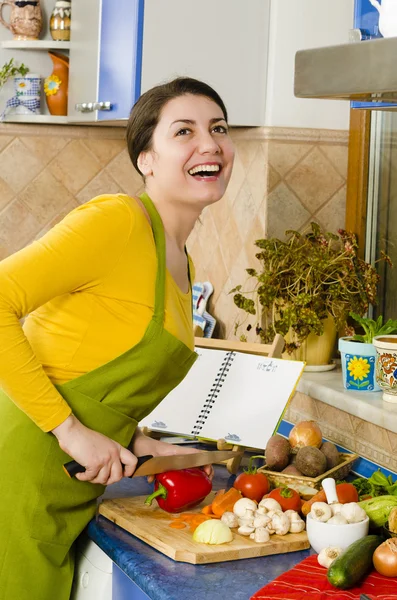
column 25, row 19
column 56, row 85
column 358, row 365
column 386, row 365
column 316, row 350
column 60, row 21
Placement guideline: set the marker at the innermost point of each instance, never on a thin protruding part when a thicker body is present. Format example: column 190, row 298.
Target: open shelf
column 35, row 45
column 50, row 119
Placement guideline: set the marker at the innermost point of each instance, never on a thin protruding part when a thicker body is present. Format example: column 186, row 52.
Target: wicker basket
column 339, row 472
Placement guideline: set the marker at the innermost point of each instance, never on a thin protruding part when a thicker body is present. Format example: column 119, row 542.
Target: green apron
column 42, row 511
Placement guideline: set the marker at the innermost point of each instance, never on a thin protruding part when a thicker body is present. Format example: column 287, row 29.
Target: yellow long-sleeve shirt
column 87, row 287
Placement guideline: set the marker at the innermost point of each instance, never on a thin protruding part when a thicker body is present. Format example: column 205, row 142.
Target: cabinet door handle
column 91, row 106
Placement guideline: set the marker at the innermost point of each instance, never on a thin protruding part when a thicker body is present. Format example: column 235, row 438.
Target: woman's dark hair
column 145, row 113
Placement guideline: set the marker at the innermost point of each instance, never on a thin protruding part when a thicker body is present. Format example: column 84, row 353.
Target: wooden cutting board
column 151, row 525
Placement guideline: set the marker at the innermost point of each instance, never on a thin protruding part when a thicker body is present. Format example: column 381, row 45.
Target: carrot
column 346, row 492
column 195, row 522
column 177, row 524
column 207, row 510
column 225, row 502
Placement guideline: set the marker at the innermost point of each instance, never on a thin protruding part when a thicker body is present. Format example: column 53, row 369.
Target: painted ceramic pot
column 56, row 85
column 386, row 365
column 60, row 21
column 358, row 365
column 25, row 19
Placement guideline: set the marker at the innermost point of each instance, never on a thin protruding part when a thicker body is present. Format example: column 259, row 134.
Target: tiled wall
column 283, row 178
column 366, row 439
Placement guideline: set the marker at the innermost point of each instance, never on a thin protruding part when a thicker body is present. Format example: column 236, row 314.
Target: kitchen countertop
column 161, row 578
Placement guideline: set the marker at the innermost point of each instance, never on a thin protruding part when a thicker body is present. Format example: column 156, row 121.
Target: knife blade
column 150, row 465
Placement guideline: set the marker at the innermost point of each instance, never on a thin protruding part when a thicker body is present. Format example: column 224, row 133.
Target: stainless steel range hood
column 363, row 71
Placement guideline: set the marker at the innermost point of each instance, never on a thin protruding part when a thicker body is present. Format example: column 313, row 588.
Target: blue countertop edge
column 162, row 578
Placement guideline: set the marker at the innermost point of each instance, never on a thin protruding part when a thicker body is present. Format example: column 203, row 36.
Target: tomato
column 252, row 485
column 287, row 498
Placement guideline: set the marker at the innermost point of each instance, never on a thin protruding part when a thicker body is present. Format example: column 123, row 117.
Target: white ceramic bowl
column 321, row 535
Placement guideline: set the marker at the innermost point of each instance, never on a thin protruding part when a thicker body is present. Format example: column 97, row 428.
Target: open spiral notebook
column 238, row 397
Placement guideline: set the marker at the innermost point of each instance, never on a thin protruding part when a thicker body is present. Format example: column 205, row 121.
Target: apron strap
column 159, row 239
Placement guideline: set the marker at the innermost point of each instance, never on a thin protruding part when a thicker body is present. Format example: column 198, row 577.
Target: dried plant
column 304, row 280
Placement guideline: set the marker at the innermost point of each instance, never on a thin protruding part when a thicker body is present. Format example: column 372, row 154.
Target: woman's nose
column 207, row 143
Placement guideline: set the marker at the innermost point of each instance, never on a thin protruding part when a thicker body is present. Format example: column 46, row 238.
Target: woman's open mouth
column 206, row 172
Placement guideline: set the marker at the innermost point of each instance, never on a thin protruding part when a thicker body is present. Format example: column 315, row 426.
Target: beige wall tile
column 17, row 227
column 284, row 211
column 6, row 194
column 314, row 180
column 247, row 150
column 304, row 406
column 245, row 209
column 122, row 171
column 102, row 183
column 45, row 197
column 66, row 209
column 230, row 242
column 283, row 156
column 105, row 150
column 257, row 176
column 338, row 156
column 216, row 271
column 74, row 166
column 237, row 178
column 5, row 140
column 46, row 148
column 18, row 166
column 333, row 214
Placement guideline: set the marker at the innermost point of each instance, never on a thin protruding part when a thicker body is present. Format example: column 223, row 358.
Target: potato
column 331, row 454
column 311, row 461
column 277, row 453
column 291, row 470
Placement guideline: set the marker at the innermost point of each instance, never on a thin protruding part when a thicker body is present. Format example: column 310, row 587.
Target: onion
column 385, row 558
column 305, row 433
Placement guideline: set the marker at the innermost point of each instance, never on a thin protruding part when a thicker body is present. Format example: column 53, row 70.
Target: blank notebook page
column 251, row 400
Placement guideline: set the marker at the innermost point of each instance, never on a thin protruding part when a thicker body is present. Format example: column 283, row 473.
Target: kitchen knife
column 150, row 465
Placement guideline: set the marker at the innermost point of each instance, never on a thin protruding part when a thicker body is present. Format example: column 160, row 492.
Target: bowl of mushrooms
column 331, row 524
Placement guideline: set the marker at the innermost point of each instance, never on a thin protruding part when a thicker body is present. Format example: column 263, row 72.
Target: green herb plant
column 372, row 328
column 376, row 485
column 10, row 70
column 304, row 280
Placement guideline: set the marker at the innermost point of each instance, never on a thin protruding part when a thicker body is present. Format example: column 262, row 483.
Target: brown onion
column 385, row 558
column 305, row 433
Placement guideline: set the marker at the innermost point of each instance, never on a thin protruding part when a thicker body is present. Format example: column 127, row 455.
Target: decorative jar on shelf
column 27, row 96
column 386, row 365
column 60, row 21
column 25, row 19
column 56, row 85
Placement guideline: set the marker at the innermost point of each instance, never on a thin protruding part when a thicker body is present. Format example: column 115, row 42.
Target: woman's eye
column 183, row 131
column 220, row 129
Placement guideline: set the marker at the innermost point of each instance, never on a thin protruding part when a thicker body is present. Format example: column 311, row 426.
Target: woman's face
column 192, row 155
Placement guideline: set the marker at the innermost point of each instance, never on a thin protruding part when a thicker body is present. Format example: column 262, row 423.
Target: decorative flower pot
column 27, row 96
column 316, row 350
column 56, row 85
column 358, row 365
column 386, row 365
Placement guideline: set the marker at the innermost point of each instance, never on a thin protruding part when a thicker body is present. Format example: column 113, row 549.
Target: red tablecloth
column 308, row 581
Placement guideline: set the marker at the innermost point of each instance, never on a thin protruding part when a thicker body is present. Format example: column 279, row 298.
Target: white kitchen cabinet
column 120, row 49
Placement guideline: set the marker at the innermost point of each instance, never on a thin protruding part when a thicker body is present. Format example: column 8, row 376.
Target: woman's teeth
column 204, row 169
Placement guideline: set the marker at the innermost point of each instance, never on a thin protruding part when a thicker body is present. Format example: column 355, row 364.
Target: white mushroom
column 261, row 510
column 230, row 519
column 268, row 504
column 280, row 523
column 261, row 535
column 248, row 521
column 245, row 530
column 271, row 513
column 321, row 511
column 296, row 526
column 261, row 521
column 242, row 505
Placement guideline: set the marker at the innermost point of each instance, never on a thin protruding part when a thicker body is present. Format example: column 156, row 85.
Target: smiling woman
column 107, row 294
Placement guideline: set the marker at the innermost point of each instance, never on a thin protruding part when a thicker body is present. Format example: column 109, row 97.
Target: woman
column 107, row 336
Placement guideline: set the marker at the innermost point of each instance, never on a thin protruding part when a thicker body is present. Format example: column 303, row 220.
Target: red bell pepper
column 176, row 491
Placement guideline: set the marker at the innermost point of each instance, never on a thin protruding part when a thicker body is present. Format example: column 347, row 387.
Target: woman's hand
column 142, row 445
column 105, row 460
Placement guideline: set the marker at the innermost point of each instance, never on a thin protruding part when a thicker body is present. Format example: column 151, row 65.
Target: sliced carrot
column 177, row 525
column 207, row 510
column 197, row 521
column 225, row 502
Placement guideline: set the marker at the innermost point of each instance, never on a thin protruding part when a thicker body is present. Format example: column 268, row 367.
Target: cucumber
column 354, row 563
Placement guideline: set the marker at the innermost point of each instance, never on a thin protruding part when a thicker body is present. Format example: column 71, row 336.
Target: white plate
column 314, row 368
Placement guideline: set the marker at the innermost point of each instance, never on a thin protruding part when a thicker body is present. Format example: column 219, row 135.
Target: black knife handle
column 72, row 467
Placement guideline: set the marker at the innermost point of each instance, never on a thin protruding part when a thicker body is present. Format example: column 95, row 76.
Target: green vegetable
column 354, row 563
column 378, row 509
column 212, row 532
column 377, row 485
column 373, row 328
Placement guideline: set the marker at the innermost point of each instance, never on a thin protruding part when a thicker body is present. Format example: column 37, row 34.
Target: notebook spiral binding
column 213, row 393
